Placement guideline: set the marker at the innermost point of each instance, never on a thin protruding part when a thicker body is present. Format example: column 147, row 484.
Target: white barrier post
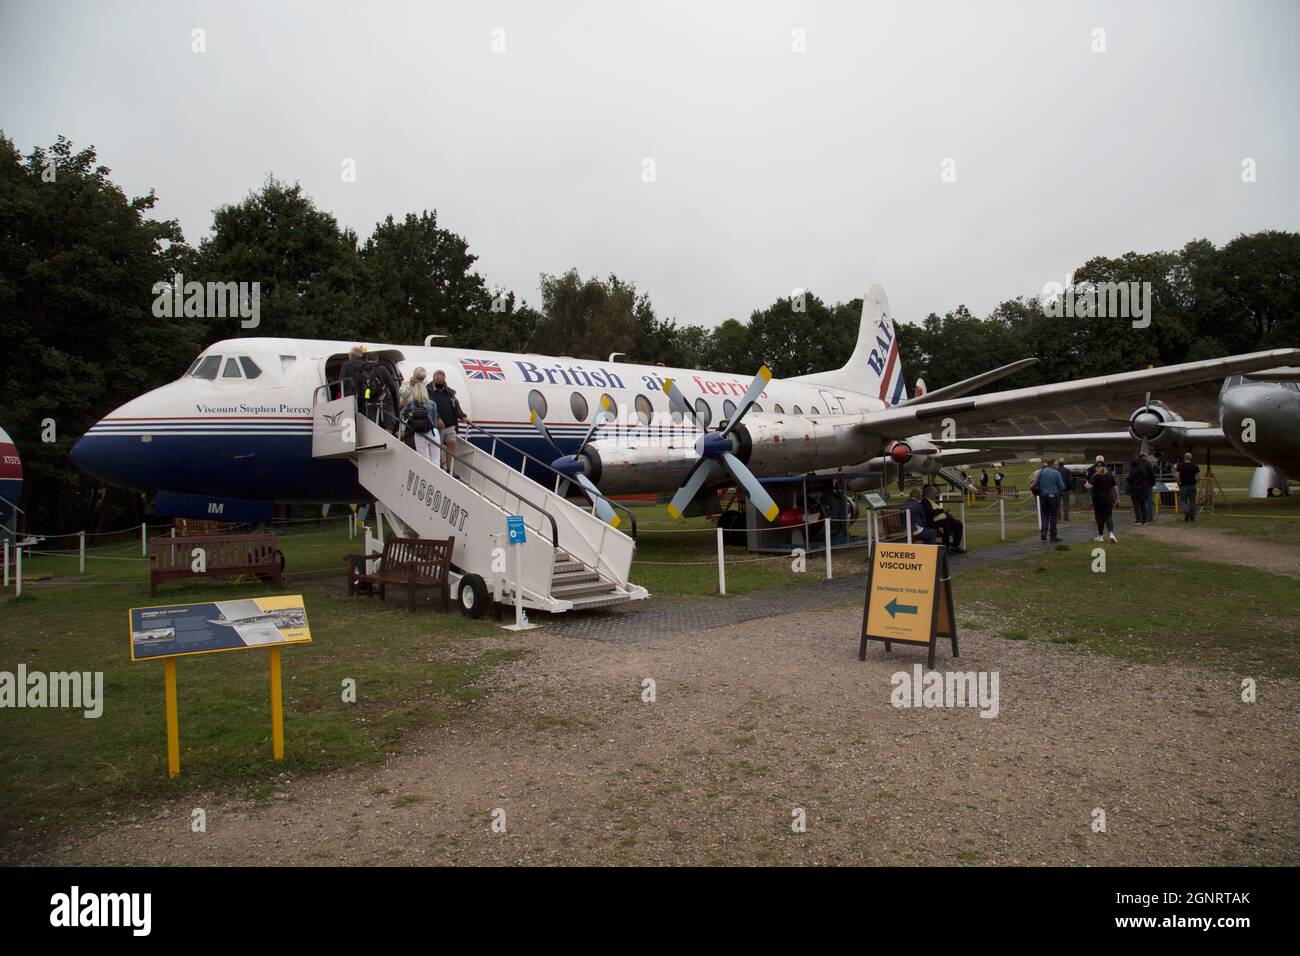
column 722, row 567
column 828, row 549
column 1002, row 518
column 962, row 543
column 6, row 563
column 81, row 549
column 18, row 575
column 144, row 541
column 907, row 517
column 173, row 531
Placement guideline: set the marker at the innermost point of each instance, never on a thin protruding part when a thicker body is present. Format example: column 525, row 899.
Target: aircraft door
column 833, row 405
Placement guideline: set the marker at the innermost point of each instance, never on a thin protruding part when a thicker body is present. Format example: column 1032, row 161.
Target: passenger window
column 249, row 366
column 813, row 411
column 703, row 414
column 537, row 402
column 758, row 407
column 644, row 410
column 578, row 405
column 728, row 409
column 797, row 410
column 778, row 409
column 609, row 406
column 207, row 367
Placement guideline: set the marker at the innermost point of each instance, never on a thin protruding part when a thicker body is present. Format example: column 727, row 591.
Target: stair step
column 599, row 600
column 576, row 576
column 567, row 592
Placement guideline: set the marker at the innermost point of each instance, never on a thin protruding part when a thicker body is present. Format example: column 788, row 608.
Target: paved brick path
column 661, row 616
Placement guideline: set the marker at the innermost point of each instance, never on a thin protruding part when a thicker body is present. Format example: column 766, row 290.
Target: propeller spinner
column 571, row 465
column 717, row 452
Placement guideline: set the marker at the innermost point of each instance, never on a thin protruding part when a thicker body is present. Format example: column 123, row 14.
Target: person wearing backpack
column 449, row 412
column 376, row 392
column 419, row 416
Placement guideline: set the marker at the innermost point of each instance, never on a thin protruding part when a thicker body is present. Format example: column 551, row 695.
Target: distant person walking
column 997, row 481
column 376, row 392
column 1050, row 487
column 1105, row 493
column 449, row 411
column 1187, row 470
column 1065, row 495
column 1140, row 478
column 419, row 416
column 984, row 480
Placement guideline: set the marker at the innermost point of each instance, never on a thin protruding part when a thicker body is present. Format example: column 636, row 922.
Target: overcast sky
column 774, row 169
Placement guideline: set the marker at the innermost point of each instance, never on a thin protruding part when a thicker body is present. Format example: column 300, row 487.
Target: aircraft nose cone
column 96, row 456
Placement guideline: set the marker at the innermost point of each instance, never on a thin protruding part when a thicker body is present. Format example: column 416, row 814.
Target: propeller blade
column 601, row 412
column 703, row 471
column 751, row 396
column 604, row 510
column 758, row 495
column 678, row 401
column 1177, row 425
column 541, row 427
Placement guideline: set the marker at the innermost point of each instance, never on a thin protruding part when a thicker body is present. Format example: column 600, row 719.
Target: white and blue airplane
column 233, row 435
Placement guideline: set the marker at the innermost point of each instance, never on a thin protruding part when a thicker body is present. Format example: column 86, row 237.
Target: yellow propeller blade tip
column 615, row 521
column 668, row 384
column 766, row 373
column 772, row 512
column 604, row 402
column 532, row 416
column 672, row 510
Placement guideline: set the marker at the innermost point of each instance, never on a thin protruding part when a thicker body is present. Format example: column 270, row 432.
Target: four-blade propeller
column 571, row 465
column 717, row 452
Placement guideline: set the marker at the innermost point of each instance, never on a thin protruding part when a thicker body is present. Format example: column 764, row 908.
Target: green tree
column 78, row 262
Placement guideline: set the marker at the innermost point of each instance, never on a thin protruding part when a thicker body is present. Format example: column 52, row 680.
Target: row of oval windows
column 645, row 411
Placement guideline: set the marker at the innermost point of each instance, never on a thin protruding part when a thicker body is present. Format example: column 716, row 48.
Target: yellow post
column 277, row 707
column 173, row 721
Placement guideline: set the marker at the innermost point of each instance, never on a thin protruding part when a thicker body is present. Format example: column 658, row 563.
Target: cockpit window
column 206, row 367
column 249, row 366
column 231, row 370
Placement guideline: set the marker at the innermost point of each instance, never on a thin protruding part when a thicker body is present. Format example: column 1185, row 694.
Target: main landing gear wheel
column 473, row 596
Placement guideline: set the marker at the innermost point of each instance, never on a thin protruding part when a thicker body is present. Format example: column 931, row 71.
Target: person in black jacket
column 449, row 412
column 948, row 528
column 376, row 392
column 1140, row 477
column 348, row 372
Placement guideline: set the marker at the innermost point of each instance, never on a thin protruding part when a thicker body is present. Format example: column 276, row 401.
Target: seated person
column 914, row 512
column 938, row 517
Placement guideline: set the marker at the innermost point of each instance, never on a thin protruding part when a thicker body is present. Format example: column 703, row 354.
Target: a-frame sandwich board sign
column 909, row 598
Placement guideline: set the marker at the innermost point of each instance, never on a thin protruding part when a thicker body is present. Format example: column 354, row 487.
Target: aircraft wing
column 910, row 419
column 1117, row 442
column 966, row 386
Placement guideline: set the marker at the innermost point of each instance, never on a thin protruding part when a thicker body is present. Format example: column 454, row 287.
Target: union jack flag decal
column 482, row 370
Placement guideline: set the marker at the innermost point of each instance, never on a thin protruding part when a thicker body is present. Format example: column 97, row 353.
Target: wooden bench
column 224, row 554
column 411, row 563
column 893, row 525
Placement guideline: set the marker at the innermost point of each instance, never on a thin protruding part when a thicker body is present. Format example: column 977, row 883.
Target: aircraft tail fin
column 875, row 366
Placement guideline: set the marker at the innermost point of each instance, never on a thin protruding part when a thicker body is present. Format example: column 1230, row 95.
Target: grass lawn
column 1152, row 604
column 57, row 767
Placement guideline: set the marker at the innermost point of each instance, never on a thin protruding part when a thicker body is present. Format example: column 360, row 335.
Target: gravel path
column 754, row 720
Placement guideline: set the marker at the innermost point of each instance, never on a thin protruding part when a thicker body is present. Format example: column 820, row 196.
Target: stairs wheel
column 473, row 596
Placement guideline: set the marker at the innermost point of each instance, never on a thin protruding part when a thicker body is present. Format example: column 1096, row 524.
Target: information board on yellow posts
column 900, row 606
column 180, row 629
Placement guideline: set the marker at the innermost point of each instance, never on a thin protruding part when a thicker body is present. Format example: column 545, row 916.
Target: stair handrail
column 473, row 426
column 555, row 532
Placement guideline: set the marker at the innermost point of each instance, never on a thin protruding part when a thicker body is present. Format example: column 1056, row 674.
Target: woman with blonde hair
column 418, row 416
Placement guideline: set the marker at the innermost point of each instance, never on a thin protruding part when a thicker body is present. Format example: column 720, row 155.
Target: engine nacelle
column 1149, row 421
column 771, row 445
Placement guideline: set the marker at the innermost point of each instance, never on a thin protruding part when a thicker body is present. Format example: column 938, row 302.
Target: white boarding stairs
column 570, row 559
